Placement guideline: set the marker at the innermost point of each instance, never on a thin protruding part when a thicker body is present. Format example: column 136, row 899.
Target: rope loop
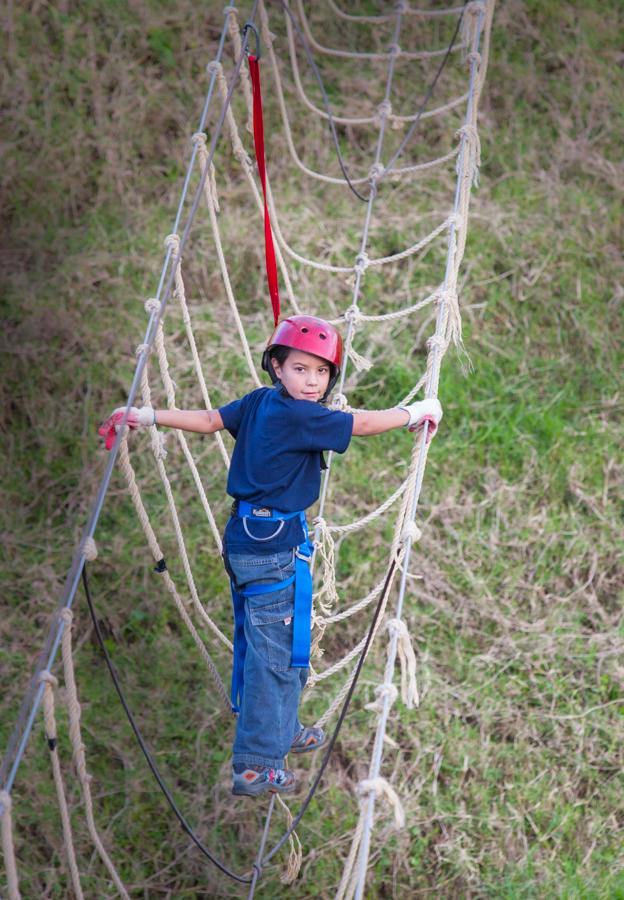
column 381, row 786
column 173, row 241
column 152, row 305
column 475, row 7
column 376, row 172
column 199, row 138
column 214, row 67
column 411, row 531
column 354, row 313
column 436, row 341
column 89, row 548
column 397, row 627
column 47, row 677
column 362, row 263
column 339, row 402
column 143, row 348
column 67, row 616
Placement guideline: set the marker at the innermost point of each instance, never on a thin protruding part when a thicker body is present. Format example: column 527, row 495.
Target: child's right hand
column 136, row 418
column 424, row 411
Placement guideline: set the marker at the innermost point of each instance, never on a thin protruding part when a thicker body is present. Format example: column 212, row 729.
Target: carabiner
column 250, row 26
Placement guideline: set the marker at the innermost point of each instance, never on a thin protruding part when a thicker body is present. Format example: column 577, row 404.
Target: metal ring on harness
column 269, row 538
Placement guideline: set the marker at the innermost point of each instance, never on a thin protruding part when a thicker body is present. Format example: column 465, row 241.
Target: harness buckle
column 305, row 557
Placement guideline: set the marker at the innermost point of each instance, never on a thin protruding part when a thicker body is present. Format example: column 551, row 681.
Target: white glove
column 424, row 411
column 138, row 417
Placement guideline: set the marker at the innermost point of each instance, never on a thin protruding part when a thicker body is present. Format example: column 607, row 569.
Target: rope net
column 382, row 279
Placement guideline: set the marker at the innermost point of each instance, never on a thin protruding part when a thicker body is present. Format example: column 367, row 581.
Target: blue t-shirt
column 277, row 462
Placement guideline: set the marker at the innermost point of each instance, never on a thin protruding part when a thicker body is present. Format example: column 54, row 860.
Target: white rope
column 159, row 456
column 352, row 54
column 447, row 326
column 8, row 848
column 407, row 10
column 80, row 761
column 128, row 471
column 395, row 173
column 50, row 682
column 358, row 120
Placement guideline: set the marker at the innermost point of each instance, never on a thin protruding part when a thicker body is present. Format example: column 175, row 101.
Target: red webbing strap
column 258, row 128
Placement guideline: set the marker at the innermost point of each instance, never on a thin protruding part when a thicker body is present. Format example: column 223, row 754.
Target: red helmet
column 312, row 335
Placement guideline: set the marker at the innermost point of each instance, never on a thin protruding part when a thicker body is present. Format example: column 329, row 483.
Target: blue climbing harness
column 302, row 579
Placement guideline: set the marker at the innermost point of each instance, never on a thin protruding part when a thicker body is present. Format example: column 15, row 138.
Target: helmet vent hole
column 304, row 330
column 322, row 336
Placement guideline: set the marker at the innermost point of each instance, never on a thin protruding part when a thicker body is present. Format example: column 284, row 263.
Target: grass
column 510, row 769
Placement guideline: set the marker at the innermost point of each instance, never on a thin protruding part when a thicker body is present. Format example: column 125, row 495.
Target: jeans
column 268, row 721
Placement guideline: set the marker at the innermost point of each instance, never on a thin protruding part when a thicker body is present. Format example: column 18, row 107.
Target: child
column 275, row 474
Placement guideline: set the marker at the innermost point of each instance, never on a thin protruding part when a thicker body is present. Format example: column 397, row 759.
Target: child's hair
column 280, row 353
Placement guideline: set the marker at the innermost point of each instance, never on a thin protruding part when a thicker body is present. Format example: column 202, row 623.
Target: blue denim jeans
column 267, row 721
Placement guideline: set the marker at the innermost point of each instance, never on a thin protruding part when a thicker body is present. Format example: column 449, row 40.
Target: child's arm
column 203, row 421
column 413, row 416
column 377, row 421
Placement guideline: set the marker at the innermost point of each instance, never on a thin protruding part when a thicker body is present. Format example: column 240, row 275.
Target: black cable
column 341, row 718
column 427, row 96
column 146, row 753
column 332, row 127
column 415, row 123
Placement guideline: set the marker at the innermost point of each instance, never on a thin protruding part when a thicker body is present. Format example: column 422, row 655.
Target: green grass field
column 510, row 770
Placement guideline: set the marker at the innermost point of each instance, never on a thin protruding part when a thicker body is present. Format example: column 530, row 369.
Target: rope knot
column 48, row 678
column 172, row 241
column 387, row 689
column 412, row 531
column 474, row 57
column 5, row 801
column 475, row 7
column 375, row 172
column 457, row 220
column 199, row 139
column 339, row 402
column 397, row 627
column 403, row 7
column 229, row 9
column 214, row 67
column 143, row 348
column 89, row 548
column 67, row 616
column 395, row 49
column 384, row 111
column 436, row 340
column 382, row 787
column 362, row 263
column 152, row 305
column 353, row 313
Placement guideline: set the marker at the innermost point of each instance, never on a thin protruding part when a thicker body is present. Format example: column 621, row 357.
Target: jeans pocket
column 270, row 617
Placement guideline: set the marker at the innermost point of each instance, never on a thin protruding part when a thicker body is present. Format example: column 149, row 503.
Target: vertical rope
column 50, row 683
column 80, row 761
column 448, row 327
column 8, row 849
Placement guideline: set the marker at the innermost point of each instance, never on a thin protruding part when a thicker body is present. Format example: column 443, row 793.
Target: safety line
column 315, row 69
column 32, row 700
column 146, row 753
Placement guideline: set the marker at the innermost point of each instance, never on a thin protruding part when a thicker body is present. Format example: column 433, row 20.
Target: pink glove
column 136, row 418
column 424, row 411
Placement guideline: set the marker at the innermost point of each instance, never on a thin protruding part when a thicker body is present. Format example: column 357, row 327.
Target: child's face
column 303, row 375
